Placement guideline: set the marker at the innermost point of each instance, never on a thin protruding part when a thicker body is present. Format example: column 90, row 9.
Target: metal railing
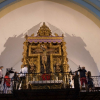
column 38, row 78
column 46, row 79
column 4, row 89
column 96, row 81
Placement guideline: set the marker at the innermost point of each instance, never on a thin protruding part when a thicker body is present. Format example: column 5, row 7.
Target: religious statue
column 43, row 51
column 44, row 56
column 57, row 68
column 32, row 68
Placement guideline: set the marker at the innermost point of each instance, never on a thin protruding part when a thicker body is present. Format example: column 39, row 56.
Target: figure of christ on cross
column 43, row 51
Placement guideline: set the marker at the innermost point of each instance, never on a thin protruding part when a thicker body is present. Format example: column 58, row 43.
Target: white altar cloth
column 46, row 82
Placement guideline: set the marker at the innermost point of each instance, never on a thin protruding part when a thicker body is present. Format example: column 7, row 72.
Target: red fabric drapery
column 45, row 77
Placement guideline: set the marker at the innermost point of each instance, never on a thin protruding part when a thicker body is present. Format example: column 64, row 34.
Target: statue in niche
column 57, row 64
column 57, row 69
column 32, row 68
column 32, row 65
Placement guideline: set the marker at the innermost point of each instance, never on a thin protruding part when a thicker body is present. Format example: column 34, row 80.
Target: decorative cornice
column 45, row 40
column 39, row 37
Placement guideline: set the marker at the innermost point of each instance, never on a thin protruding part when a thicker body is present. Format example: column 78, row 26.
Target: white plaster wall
column 81, row 34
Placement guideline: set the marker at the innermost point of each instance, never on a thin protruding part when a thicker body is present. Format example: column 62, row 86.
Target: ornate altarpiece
column 45, row 53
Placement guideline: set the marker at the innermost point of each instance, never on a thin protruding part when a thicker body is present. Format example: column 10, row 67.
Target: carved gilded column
column 38, row 71
column 38, row 67
column 51, row 63
column 25, row 47
column 25, row 58
column 65, row 64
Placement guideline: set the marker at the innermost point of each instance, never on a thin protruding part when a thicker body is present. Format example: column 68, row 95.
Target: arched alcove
column 81, row 34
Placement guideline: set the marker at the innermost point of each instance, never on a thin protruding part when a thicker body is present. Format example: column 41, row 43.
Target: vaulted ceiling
column 92, row 6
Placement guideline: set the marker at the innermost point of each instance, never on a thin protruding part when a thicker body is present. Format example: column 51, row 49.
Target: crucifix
column 44, row 51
